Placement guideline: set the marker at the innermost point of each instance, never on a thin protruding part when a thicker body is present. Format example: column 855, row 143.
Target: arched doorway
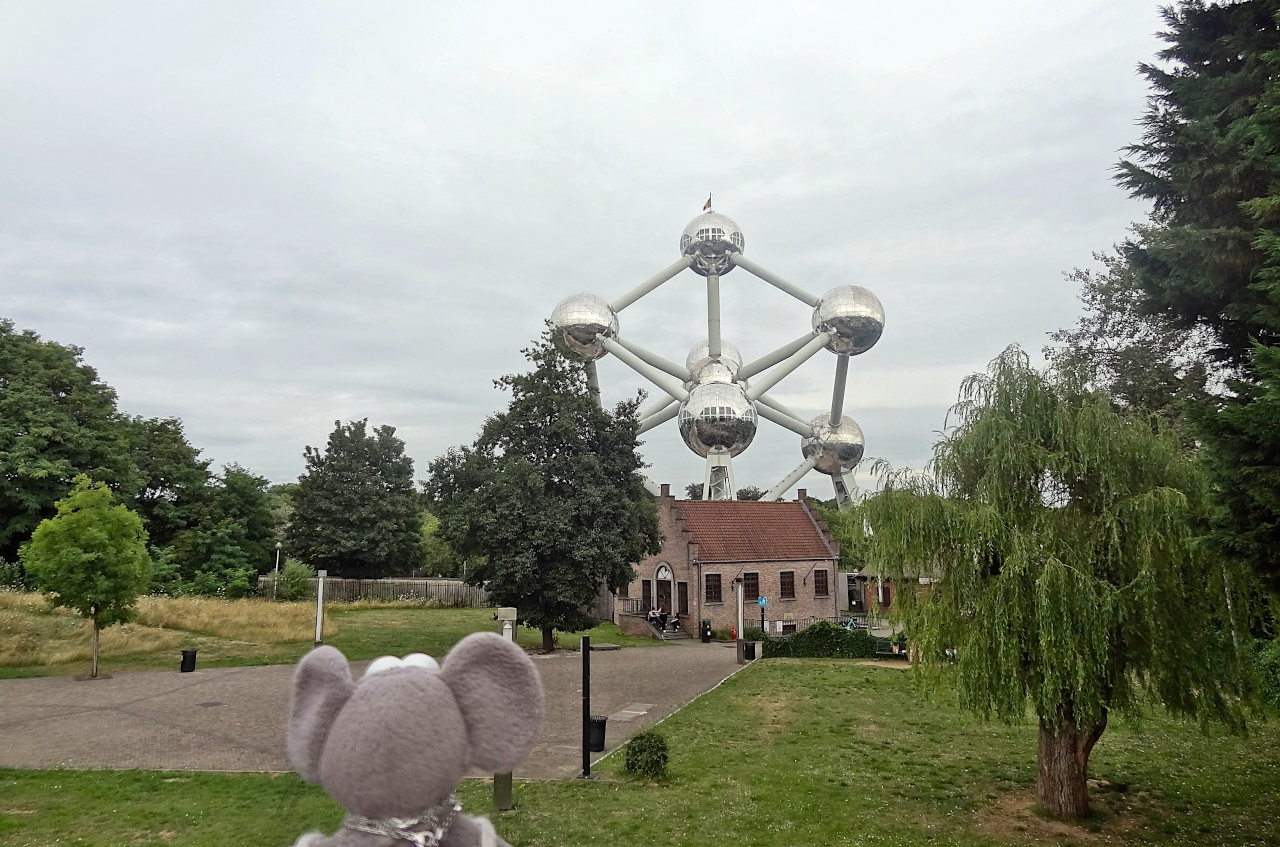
column 663, row 587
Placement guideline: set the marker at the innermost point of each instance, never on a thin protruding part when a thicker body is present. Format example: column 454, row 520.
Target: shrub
column 1266, row 664
column 165, row 578
column 12, row 576
column 646, row 754
column 823, row 640
column 295, row 581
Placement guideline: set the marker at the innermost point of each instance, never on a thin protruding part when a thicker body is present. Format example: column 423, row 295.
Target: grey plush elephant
column 392, row 747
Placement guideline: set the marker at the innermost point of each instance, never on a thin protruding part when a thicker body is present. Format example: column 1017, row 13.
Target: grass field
column 788, row 752
column 36, row 640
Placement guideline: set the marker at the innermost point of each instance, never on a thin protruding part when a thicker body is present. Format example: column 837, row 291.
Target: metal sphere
column 853, row 316
column 837, row 448
column 701, row 354
column 719, row 418
column 709, row 239
column 580, row 318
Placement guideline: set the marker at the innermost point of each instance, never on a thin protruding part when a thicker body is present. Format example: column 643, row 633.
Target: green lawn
column 361, row 632
column 788, row 752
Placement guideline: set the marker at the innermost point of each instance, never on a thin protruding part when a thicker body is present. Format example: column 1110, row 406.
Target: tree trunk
column 548, row 640
column 93, row 651
column 1062, row 786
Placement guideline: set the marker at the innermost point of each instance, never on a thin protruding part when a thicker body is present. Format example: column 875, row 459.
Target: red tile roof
column 751, row 531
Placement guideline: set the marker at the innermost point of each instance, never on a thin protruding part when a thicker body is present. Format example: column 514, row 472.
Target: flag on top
column 706, row 207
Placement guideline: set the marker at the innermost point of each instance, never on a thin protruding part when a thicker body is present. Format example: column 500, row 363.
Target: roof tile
column 751, row 531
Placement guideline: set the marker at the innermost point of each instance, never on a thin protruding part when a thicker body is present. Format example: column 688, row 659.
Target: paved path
column 232, row 719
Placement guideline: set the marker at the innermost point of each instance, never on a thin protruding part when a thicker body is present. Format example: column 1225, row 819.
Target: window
column 646, row 595
column 625, row 590
column 820, row 584
column 750, row 586
column 713, row 588
column 682, row 598
column 788, row 585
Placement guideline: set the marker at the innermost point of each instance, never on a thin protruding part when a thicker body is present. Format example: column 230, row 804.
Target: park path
column 233, row 719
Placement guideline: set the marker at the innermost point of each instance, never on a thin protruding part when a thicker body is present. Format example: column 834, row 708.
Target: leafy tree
column 750, row 492
column 232, row 539
column 1144, row 362
column 693, row 491
column 438, row 558
column 549, row 498
column 1060, row 535
column 171, row 478
column 57, row 420
column 355, row 512
column 90, row 557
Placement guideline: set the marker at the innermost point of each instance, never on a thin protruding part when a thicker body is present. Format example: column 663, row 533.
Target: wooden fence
column 450, row 592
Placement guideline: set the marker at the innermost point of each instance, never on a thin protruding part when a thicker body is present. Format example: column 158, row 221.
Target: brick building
column 780, row 550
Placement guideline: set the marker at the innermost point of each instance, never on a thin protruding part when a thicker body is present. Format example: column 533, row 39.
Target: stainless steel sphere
column 853, row 316
column 701, row 353
column 838, row 448
column 717, row 417
column 709, row 239
column 580, row 318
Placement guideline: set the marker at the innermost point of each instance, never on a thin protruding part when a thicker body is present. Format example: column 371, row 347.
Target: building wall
column 677, row 552
column 805, row 606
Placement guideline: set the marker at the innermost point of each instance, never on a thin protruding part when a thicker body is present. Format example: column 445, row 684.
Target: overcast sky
column 262, row 217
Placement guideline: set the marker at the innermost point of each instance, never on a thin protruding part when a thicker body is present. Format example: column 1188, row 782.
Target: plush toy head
column 398, row 741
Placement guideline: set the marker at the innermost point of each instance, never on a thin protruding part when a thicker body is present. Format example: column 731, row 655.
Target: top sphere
column 580, row 318
column 709, row 239
column 853, row 316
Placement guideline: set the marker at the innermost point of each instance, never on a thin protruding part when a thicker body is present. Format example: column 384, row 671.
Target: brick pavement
column 232, row 719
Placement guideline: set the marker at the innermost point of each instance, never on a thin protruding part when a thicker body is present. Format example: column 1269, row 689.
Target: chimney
column 665, row 489
column 801, row 494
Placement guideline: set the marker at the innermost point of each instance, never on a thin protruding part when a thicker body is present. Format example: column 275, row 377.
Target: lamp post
column 275, row 581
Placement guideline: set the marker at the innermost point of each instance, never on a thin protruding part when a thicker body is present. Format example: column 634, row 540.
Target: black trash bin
column 188, row 661
column 595, row 738
column 749, row 650
column 706, row 632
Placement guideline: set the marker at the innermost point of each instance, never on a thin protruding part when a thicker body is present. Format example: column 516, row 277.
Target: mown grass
column 788, row 752
column 36, row 640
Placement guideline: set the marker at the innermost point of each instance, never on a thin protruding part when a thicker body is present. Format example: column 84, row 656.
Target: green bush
column 1266, row 664
column 12, row 576
column 295, row 581
column 646, row 754
column 165, row 577
column 822, row 640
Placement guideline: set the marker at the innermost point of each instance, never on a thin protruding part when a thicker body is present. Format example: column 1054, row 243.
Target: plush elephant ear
column 321, row 687
column 498, row 689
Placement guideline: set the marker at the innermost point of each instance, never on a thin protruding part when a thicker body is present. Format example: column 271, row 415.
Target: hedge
column 822, row 640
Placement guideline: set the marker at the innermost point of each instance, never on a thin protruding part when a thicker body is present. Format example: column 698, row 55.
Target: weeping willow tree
column 1057, row 539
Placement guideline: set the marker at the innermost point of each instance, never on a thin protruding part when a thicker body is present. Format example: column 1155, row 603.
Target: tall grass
column 32, row 633
column 242, row 620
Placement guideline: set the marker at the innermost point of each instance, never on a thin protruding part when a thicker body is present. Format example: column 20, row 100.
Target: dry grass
column 259, row 621
column 34, row 634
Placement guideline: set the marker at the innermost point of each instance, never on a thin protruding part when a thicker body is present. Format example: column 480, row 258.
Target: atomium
column 708, row 240
column 853, row 317
column 716, row 399
column 582, row 319
column 717, row 418
column 837, row 449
